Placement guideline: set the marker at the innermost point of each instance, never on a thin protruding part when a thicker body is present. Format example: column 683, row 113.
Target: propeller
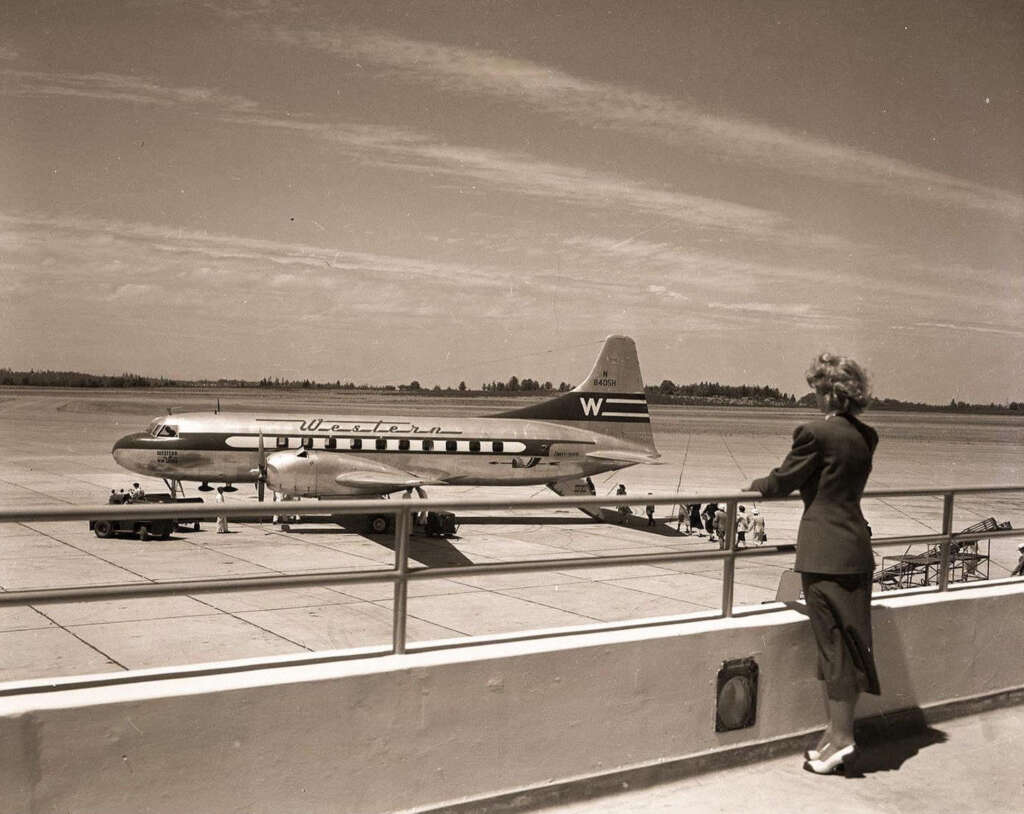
column 261, row 471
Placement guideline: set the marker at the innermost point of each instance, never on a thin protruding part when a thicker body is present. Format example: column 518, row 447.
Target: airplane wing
column 625, row 456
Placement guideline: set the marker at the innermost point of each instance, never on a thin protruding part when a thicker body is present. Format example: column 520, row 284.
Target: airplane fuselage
column 467, row 451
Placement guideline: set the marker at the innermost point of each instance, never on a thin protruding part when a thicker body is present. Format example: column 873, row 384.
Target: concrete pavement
column 957, row 766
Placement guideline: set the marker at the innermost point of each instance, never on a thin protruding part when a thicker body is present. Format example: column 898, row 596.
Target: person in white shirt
column 222, row 519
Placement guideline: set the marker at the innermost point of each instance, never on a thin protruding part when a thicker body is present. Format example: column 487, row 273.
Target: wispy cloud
column 791, row 310
column 118, row 88
column 104, row 252
column 407, row 150
column 589, row 103
column 411, row 151
column 952, row 326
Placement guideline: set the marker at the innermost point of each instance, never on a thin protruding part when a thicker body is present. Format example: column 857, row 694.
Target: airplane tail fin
column 610, row 401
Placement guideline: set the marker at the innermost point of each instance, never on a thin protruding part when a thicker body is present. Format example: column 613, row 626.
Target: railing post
column 729, row 562
column 403, row 522
column 944, row 546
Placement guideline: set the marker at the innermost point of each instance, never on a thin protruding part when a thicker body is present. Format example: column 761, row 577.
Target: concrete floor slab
column 287, row 554
column 509, row 548
column 607, row 572
column 10, row 531
column 275, row 599
column 14, row 617
column 33, row 545
column 378, row 592
column 68, row 614
column 158, row 563
column 604, row 601
column 183, row 640
column 69, row 570
column 339, row 627
column 500, row 582
column 697, row 589
column 481, row 613
column 47, row 653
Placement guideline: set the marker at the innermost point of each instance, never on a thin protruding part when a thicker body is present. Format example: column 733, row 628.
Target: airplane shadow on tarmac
column 663, row 528
column 433, row 552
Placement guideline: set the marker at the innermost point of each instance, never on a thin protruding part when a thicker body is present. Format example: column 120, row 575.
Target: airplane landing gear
column 174, row 487
column 205, row 487
column 229, row 488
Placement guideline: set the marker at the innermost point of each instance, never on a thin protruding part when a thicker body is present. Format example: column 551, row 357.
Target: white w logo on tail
column 591, row 406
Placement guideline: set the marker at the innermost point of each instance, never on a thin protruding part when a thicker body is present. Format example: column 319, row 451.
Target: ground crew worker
column 222, row 519
column 114, row 497
column 649, row 508
column 624, row 510
column 1019, row 570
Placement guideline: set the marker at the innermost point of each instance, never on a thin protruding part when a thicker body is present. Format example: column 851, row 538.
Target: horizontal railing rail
column 153, row 511
column 401, row 574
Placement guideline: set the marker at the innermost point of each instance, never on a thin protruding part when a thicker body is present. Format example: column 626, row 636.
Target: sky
column 443, row 191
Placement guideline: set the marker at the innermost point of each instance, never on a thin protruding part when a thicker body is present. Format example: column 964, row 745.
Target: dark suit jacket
column 829, row 463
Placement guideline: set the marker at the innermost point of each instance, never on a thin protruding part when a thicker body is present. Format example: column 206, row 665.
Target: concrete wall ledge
column 429, row 730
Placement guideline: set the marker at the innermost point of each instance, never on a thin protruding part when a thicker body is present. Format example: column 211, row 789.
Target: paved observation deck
column 957, row 766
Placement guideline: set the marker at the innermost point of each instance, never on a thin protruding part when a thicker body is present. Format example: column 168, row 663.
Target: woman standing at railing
column 829, row 463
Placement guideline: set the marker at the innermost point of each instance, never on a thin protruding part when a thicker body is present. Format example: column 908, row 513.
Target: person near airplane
column 719, row 523
column 1019, row 570
column 222, row 519
column 757, row 526
column 742, row 526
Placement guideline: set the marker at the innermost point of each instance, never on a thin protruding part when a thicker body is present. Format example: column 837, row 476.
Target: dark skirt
column 839, row 607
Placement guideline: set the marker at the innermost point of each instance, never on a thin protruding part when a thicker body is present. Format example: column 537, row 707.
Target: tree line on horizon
column 668, row 392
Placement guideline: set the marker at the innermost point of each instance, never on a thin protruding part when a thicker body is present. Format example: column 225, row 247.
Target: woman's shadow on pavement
column 884, row 746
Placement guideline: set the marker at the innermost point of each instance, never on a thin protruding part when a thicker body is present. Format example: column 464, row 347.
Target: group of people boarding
column 713, row 520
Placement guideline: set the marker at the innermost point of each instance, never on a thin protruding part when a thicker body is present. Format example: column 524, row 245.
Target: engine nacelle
column 316, row 473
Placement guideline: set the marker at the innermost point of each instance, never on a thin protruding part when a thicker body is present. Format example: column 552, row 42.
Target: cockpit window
column 167, row 431
column 153, row 427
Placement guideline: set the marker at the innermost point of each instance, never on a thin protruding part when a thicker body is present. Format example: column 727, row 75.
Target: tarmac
column 55, row 449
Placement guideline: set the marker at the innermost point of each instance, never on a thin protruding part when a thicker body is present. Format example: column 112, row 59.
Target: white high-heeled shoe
column 830, row 764
column 813, row 754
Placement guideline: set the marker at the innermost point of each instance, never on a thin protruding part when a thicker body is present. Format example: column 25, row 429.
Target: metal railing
column 402, row 574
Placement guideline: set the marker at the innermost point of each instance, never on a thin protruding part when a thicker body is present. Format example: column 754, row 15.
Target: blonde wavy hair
column 841, row 382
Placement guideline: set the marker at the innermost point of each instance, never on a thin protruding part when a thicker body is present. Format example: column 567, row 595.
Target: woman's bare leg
column 839, row 732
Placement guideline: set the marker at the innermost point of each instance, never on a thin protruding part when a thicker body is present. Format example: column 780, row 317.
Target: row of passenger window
column 392, row 444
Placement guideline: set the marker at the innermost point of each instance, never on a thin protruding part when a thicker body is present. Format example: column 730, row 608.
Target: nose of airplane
column 124, row 445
